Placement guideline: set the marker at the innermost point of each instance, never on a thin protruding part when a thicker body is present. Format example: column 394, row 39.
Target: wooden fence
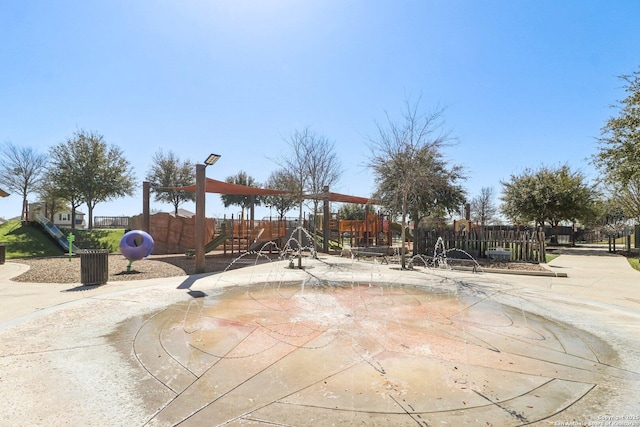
column 524, row 245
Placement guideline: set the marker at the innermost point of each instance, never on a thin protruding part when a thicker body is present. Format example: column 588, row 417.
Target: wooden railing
column 523, row 245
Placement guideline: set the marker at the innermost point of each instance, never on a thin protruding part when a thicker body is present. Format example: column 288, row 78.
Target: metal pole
column 300, row 236
column 200, row 224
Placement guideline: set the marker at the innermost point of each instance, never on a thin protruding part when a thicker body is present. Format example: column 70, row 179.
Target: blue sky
column 524, row 83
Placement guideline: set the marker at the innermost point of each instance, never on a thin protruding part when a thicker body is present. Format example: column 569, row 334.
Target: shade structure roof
column 3, row 193
column 342, row 198
column 221, row 187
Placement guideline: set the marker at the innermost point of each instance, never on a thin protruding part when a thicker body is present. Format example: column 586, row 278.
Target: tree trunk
column 24, row 215
column 90, row 222
column 403, row 233
column 415, row 224
column 73, row 217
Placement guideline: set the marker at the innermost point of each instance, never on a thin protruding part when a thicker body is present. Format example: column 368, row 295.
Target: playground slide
column 217, row 241
column 333, row 245
column 55, row 233
column 257, row 243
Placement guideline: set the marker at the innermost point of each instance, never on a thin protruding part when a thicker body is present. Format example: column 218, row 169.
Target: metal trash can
column 2, row 253
column 94, row 266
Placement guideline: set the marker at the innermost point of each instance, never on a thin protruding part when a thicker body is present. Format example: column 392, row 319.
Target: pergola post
column 145, row 206
column 326, row 234
column 200, row 223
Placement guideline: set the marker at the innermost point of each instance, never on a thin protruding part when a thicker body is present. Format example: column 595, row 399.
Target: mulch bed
column 65, row 270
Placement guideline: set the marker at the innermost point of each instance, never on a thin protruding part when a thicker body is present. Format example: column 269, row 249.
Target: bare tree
column 483, row 209
column 402, row 158
column 314, row 162
column 21, row 170
column 314, row 165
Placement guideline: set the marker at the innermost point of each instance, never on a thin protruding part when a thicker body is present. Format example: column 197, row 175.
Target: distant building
column 60, row 218
column 63, row 219
column 185, row 213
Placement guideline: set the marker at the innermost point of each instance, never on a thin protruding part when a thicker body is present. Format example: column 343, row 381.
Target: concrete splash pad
column 321, row 347
column 361, row 354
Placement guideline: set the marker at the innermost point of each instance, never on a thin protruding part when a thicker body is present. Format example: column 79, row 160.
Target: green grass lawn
column 28, row 241
column 99, row 239
column 634, row 262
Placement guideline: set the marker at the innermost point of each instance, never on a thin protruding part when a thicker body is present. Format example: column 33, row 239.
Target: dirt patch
column 64, row 270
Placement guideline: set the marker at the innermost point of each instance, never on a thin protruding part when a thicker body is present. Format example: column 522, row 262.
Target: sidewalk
column 595, row 274
column 18, row 299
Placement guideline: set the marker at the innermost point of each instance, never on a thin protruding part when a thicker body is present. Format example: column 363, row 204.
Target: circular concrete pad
column 339, row 354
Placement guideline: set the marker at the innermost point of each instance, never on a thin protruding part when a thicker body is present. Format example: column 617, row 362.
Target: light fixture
column 212, row 159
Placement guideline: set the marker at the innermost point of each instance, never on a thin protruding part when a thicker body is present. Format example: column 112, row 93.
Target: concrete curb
column 517, row 272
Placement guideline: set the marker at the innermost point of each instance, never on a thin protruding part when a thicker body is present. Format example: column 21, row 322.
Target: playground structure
column 233, row 235
column 54, row 232
column 375, row 230
column 246, row 235
column 175, row 234
column 243, row 235
column 136, row 245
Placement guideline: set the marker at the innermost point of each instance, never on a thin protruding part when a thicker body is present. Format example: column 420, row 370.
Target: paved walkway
column 480, row 349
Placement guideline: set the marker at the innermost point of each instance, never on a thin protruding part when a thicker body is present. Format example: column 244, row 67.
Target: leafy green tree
column 410, row 172
column 443, row 195
column 281, row 180
column 245, row 202
column 166, row 171
column 618, row 156
column 60, row 176
column 351, row 211
column 548, row 195
column 52, row 196
column 609, row 217
column 21, row 171
column 90, row 171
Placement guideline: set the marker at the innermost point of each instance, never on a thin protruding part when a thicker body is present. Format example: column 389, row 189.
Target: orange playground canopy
column 221, row 187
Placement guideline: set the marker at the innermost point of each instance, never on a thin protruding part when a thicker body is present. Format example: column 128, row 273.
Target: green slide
column 217, row 241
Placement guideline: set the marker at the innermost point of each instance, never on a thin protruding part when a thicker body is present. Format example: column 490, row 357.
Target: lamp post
column 200, row 235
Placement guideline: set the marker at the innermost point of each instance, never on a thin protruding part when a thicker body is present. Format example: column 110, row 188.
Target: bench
column 499, row 254
column 357, row 254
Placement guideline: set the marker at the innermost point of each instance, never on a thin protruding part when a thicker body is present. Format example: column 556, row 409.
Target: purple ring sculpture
column 136, row 245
